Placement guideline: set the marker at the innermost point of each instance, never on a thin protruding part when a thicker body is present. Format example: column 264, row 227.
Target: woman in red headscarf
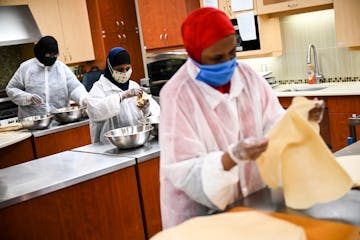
column 214, row 114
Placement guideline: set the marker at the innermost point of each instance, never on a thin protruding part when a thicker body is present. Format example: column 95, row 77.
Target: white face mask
column 120, row 77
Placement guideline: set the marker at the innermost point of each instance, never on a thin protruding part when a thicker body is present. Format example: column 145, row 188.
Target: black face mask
column 48, row 61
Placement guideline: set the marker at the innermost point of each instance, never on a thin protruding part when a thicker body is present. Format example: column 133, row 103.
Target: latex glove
column 84, row 102
column 248, row 149
column 36, row 99
column 131, row 93
column 317, row 112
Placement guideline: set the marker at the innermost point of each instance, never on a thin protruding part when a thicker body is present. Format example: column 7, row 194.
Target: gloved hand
column 36, row 99
column 131, row 93
column 248, row 149
column 84, row 102
column 317, row 112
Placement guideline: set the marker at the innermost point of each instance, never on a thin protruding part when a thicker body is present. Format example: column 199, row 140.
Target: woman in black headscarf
column 43, row 83
column 112, row 102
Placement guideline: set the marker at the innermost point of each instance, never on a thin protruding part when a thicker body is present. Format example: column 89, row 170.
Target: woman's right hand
column 248, row 149
column 36, row 99
column 133, row 92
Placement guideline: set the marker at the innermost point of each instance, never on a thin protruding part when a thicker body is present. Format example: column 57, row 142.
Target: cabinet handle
column 124, row 35
column 161, row 37
column 165, row 36
column 291, row 5
column 64, row 57
column 70, row 57
column 103, row 34
column 119, row 36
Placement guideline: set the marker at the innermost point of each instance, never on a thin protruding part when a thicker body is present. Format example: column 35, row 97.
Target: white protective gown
column 55, row 84
column 197, row 124
column 106, row 112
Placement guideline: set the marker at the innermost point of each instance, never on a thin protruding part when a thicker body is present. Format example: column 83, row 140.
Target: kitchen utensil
column 37, row 122
column 68, row 114
column 129, row 137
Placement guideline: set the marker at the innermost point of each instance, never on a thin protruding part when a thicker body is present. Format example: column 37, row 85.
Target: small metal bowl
column 68, row 114
column 129, row 137
column 36, row 122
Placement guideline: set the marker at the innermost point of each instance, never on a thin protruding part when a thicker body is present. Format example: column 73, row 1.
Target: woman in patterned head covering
column 112, row 103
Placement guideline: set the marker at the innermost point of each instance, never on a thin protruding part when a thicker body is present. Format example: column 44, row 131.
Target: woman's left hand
column 317, row 112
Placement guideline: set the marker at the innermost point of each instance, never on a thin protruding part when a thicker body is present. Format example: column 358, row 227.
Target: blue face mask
column 217, row 74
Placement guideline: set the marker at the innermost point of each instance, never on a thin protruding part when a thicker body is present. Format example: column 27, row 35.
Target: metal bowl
column 36, row 122
column 68, row 114
column 129, row 137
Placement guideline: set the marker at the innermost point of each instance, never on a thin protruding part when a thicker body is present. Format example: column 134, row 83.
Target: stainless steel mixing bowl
column 129, row 137
column 37, row 122
column 68, row 114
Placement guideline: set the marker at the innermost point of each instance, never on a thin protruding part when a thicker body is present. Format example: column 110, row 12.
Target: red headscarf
column 202, row 28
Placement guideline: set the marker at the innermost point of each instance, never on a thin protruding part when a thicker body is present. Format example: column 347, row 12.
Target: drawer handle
column 292, row 5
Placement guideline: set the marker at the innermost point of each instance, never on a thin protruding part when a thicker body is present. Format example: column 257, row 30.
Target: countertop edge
column 69, row 183
column 60, row 128
column 16, row 140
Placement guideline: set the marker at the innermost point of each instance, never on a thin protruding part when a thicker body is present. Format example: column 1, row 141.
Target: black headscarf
column 47, row 44
column 117, row 56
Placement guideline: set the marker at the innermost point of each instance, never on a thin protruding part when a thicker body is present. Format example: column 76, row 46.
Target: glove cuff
column 230, row 151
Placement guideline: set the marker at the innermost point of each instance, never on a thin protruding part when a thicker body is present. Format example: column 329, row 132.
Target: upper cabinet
column 347, row 22
column 68, row 22
column 161, row 21
column 277, row 6
column 114, row 24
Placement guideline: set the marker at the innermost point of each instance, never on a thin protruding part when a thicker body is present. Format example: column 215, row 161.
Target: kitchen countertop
column 149, row 150
column 345, row 209
column 57, row 127
column 44, row 175
column 12, row 137
column 353, row 149
column 329, row 89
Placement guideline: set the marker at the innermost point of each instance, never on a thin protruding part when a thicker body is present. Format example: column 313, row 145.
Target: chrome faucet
column 318, row 76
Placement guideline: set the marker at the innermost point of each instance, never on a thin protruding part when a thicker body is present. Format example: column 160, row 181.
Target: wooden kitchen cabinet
column 61, row 141
column 334, row 128
column 161, row 21
column 16, row 153
column 106, row 207
column 114, row 24
column 340, row 109
column 296, row 6
column 68, row 22
column 347, row 22
column 149, row 182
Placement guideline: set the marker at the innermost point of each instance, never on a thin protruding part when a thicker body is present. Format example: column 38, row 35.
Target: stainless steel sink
column 303, row 88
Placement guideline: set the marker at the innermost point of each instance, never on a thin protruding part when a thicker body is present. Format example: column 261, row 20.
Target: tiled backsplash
column 298, row 31
column 10, row 59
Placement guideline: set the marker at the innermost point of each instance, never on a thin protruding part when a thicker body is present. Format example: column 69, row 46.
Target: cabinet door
column 274, row 6
column 153, row 16
column 76, row 29
column 347, row 22
column 176, row 13
column 47, row 16
column 120, row 29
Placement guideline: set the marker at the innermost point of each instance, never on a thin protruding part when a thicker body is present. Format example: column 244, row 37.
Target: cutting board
column 316, row 229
